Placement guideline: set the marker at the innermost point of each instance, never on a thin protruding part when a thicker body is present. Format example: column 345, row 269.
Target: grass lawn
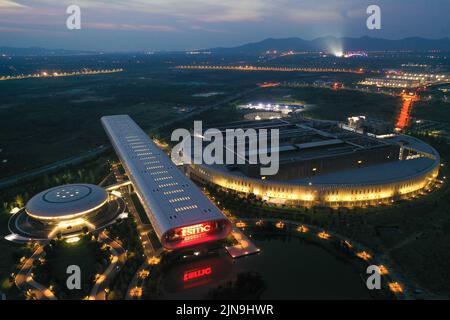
column 432, row 110
column 80, row 254
column 329, row 104
column 10, row 254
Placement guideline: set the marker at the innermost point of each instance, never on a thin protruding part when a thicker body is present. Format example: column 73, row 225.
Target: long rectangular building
column 179, row 212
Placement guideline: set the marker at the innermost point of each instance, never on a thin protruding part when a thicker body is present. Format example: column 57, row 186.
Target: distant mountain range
column 325, row 44
column 330, row 43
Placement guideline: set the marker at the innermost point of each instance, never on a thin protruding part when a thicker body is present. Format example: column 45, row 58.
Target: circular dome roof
column 66, row 202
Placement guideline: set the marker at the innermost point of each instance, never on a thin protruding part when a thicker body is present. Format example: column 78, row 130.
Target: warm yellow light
column 116, row 193
column 143, row 274
column 241, row 224
column 395, row 287
column 73, row 240
column 323, row 235
column 14, row 210
column 154, row 260
column 348, row 244
column 100, row 278
column 279, row 225
column 383, row 270
column 364, row 255
column 136, row 292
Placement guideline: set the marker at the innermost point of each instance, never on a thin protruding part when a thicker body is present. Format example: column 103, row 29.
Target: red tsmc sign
column 195, row 274
column 196, row 229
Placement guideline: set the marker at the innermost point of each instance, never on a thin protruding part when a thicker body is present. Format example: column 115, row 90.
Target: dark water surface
column 291, row 268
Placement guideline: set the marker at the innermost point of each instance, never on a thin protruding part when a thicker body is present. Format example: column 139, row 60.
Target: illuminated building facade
column 65, row 211
column 181, row 215
column 322, row 164
column 66, row 203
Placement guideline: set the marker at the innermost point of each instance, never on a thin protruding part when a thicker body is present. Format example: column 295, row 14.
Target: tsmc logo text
column 189, row 275
column 195, row 229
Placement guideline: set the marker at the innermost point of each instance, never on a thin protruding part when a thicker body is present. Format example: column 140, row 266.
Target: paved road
column 118, row 260
column 7, row 182
column 357, row 247
column 136, row 282
column 142, row 228
column 25, row 282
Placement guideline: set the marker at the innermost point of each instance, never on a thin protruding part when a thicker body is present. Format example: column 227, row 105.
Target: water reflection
column 291, row 268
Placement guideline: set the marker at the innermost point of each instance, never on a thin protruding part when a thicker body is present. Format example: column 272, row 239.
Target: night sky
column 192, row 24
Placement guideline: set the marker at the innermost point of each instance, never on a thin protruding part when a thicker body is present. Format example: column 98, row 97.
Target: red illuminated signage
column 195, row 230
column 195, row 274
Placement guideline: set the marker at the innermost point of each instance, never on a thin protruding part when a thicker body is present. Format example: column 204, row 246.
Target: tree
column 19, row 201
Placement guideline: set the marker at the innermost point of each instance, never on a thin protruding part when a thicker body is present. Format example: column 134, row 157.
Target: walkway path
column 25, row 282
column 119, row 256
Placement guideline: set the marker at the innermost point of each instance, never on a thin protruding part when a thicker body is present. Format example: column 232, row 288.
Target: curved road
column 9, row 181
column 117, row 261
column 25, row 281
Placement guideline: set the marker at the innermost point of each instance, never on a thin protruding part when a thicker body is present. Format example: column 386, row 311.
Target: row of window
column 179, row 199
column 191, row 207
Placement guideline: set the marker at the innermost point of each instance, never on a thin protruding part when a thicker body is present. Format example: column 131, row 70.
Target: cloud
column 206, row 29
column 199, row 10
column 8, row 4
column 308, row 15
column 129, row 27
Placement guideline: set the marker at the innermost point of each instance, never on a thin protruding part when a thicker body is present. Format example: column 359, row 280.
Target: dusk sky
column 192, row 24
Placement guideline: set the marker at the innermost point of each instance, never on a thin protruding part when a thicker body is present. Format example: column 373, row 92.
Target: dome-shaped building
column 67, row 202
column 65, row 211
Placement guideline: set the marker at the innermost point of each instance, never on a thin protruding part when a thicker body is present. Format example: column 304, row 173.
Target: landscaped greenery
column 413, row 233
column 327, row 104
column 125, row 231
column 91, row 172
column 88, row 254
column 435, row 110
column 11, row 254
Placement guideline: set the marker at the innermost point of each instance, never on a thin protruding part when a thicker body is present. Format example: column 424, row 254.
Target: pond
column 291, row 268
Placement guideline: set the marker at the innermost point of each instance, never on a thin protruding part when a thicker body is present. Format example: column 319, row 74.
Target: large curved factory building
column 322, row 164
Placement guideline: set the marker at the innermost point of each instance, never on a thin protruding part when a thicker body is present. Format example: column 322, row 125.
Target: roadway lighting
column 364, row 255
column 383, row 270
column 154, row 260
column 73, row 240
column 323, row 235
column 348, row 244
column 395, row 287
column 14, row 210
column 241, row 224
